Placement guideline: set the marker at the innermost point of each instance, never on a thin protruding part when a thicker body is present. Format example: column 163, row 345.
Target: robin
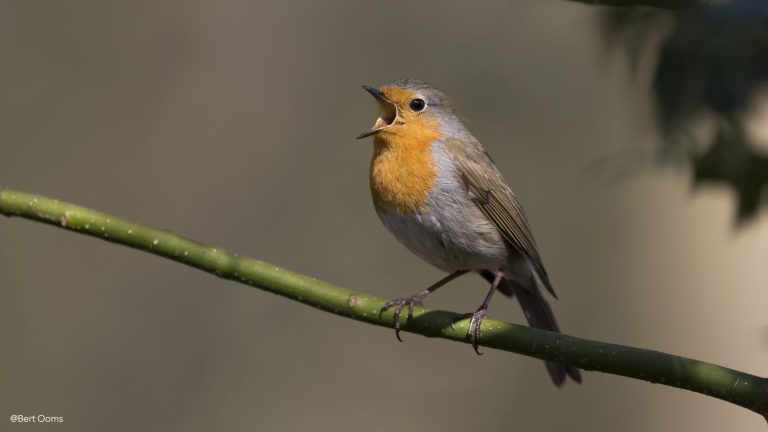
column 438, row 191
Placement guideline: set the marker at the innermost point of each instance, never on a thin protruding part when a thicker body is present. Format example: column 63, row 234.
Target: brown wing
column 496, row 200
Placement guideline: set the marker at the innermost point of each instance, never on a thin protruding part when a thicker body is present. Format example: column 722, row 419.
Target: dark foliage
column 712, row 61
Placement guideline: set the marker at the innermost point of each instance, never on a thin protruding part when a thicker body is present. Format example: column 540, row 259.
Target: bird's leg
column 416, row 300
column 473, row 333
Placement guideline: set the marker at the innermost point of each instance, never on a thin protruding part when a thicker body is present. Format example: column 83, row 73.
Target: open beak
column 387, row 112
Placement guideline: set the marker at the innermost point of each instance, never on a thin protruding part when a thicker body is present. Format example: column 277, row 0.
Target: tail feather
column 539, row 315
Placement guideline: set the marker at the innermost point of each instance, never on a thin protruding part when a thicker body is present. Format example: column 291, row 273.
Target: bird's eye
column 417, row 105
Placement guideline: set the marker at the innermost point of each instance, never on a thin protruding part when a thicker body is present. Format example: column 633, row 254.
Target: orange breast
column 403, row 170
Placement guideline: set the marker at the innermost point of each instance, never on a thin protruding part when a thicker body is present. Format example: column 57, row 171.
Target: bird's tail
column 539, row 315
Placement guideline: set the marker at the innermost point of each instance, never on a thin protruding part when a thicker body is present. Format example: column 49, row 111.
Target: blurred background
column 233, row 123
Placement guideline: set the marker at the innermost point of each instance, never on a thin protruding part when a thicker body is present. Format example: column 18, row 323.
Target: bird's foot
column 473, row 333
column 414, row 300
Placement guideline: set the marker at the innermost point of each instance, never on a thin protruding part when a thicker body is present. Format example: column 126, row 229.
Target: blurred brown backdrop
column 233, row 123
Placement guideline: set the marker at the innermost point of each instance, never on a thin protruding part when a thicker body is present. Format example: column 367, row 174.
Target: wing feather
column 496, row 200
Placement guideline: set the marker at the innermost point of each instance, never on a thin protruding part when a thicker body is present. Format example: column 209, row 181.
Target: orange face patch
column 402, row 170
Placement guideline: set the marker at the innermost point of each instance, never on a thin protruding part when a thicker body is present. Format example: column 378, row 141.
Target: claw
column 474, row 329
column 473, row 332
column 415, row 300
column 477, row 318
column 401, row 302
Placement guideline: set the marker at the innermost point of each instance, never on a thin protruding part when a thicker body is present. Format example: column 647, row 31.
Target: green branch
column 730, row 385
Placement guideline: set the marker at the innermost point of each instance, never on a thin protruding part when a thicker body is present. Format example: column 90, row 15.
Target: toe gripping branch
column 415, row 300
column 475, row 323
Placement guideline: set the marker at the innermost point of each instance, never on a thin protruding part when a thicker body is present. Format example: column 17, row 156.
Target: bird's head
column 409, row 108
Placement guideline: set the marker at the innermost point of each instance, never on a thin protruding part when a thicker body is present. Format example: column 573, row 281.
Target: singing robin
column 438, row 191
